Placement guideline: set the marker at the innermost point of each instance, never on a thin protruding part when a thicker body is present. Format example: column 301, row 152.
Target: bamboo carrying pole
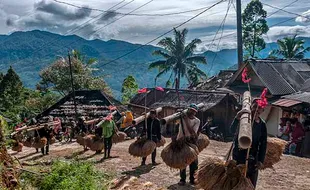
column 142, row 117
column 175, row 116
column 245, row 129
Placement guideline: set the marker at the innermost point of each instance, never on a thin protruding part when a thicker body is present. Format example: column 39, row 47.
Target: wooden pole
column 142, row 117
column 245, row 128
column 72, row 86
column 175, row 116
column 239, row 33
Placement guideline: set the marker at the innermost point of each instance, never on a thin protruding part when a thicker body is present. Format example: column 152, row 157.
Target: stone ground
column 290, row 173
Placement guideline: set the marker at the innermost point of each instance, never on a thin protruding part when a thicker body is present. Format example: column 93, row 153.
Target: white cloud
column 305, row 18
column 279, row 32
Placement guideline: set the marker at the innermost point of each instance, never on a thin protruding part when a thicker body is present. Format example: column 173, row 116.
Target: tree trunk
column 253, row 47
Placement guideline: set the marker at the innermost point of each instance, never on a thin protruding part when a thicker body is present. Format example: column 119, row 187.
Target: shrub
column 70, row 176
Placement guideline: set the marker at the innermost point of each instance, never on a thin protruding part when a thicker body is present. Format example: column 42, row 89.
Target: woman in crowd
column 285, row 130
column 297, row 136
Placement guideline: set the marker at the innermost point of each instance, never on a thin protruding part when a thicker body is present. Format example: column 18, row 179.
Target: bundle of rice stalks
column 88, row 140
column 202, row 142
column 179, row 154
column 39, row 142
column 119, row 137
column 17, row 147
column 80, row 139
column 53, row 140
column 209, row 173
column 275, row 148
column 28, row 142
column 97, row 145
column 214, row 174
column 162, row 142
column 141, row 147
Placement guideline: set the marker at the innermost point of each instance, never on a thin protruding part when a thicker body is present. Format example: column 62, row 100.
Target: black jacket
column 153, row 129
column 259, row 143
column 45, row 133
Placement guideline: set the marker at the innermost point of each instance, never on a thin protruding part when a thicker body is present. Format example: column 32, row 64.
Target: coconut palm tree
column 290, row 48
column 180, row 59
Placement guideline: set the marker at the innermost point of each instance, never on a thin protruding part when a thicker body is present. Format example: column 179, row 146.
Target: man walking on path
column 189, row 131
column 152, row 131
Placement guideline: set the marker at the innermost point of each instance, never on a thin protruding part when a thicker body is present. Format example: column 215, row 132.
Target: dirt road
column 290, row 173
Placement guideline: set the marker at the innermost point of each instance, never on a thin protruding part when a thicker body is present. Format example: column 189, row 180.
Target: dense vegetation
column 68, row 175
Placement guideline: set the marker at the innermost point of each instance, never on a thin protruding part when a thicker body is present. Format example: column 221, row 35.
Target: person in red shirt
column 297, row 136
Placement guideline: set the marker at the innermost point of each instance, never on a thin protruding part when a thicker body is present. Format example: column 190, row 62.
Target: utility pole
column 239, row 33
column 72, row 86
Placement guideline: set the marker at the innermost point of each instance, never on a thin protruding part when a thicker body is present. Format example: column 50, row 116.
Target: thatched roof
column 187, row 97
column 90, row 103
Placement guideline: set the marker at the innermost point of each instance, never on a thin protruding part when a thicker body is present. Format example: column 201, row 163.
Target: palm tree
column 180, row 60
column 290, row 48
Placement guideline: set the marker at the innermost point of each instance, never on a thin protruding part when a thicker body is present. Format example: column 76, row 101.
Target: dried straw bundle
column 179, row 154
column 28, row 142
column 214, row 174
column 202, row 142
column 80, row 140
column 141, row 147
column 275, row 148
column 97, row 145
column 39, row 142
column 53, row 140
column 119, row 137
column 88, row 140
column 17, row 147
column 209, row 173
column 162, row 142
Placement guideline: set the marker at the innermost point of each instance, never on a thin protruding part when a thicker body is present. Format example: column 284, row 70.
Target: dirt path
column 290, row 173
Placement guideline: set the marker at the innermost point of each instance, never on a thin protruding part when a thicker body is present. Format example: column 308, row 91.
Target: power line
column 132, row 14
column 223, row 26
column 141, row 46
column 289, row 12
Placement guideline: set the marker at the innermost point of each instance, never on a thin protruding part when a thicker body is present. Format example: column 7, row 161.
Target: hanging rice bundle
column 97, row 144
column 52, row 140
column 17, row 146
column 141, row 147
column 119, row 137
column 275, row 148
column 209, row 173
column 80, row 139
column 179, row 154
column 202, row 142
column 214, row 174
column 28, row 142
column 88, row 140
column 162, row 142
column 39, row 142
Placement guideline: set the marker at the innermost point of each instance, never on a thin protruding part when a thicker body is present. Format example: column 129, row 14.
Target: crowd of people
column 293, row 131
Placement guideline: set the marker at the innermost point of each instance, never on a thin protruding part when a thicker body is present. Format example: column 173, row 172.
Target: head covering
column 193, row 107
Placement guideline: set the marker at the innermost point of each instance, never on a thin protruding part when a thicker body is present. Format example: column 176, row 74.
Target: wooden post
column 245, row 128
column 175, row 116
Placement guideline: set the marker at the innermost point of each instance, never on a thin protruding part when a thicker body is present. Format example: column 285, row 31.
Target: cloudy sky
column 145, row 21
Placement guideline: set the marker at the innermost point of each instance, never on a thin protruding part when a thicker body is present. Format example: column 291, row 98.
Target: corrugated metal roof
column 273, row 80
column 306, row 86
column 299, row 96
column 300, row 67
column 286, row 103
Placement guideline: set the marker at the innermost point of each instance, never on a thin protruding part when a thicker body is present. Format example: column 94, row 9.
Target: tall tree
column 254, row 25
column 11, row 89
column 129, row 88
column 180, row 59
column 290, row 48
column 57, row 76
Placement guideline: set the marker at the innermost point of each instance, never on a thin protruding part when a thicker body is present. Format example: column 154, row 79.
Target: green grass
column 68, row 176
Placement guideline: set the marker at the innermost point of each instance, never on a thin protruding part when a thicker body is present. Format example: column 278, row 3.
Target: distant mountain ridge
column 31, row 51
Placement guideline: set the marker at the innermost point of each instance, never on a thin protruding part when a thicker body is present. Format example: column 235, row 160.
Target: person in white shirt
column 189, row 127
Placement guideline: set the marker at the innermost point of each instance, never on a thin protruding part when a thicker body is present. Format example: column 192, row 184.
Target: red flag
column 262, row 102
column 160, row 88
column 244, row 75
column 143, row 90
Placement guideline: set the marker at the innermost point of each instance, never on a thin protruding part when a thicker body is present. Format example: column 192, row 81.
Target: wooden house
column 221, row 106
column 89, row 103
column 281, row 77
